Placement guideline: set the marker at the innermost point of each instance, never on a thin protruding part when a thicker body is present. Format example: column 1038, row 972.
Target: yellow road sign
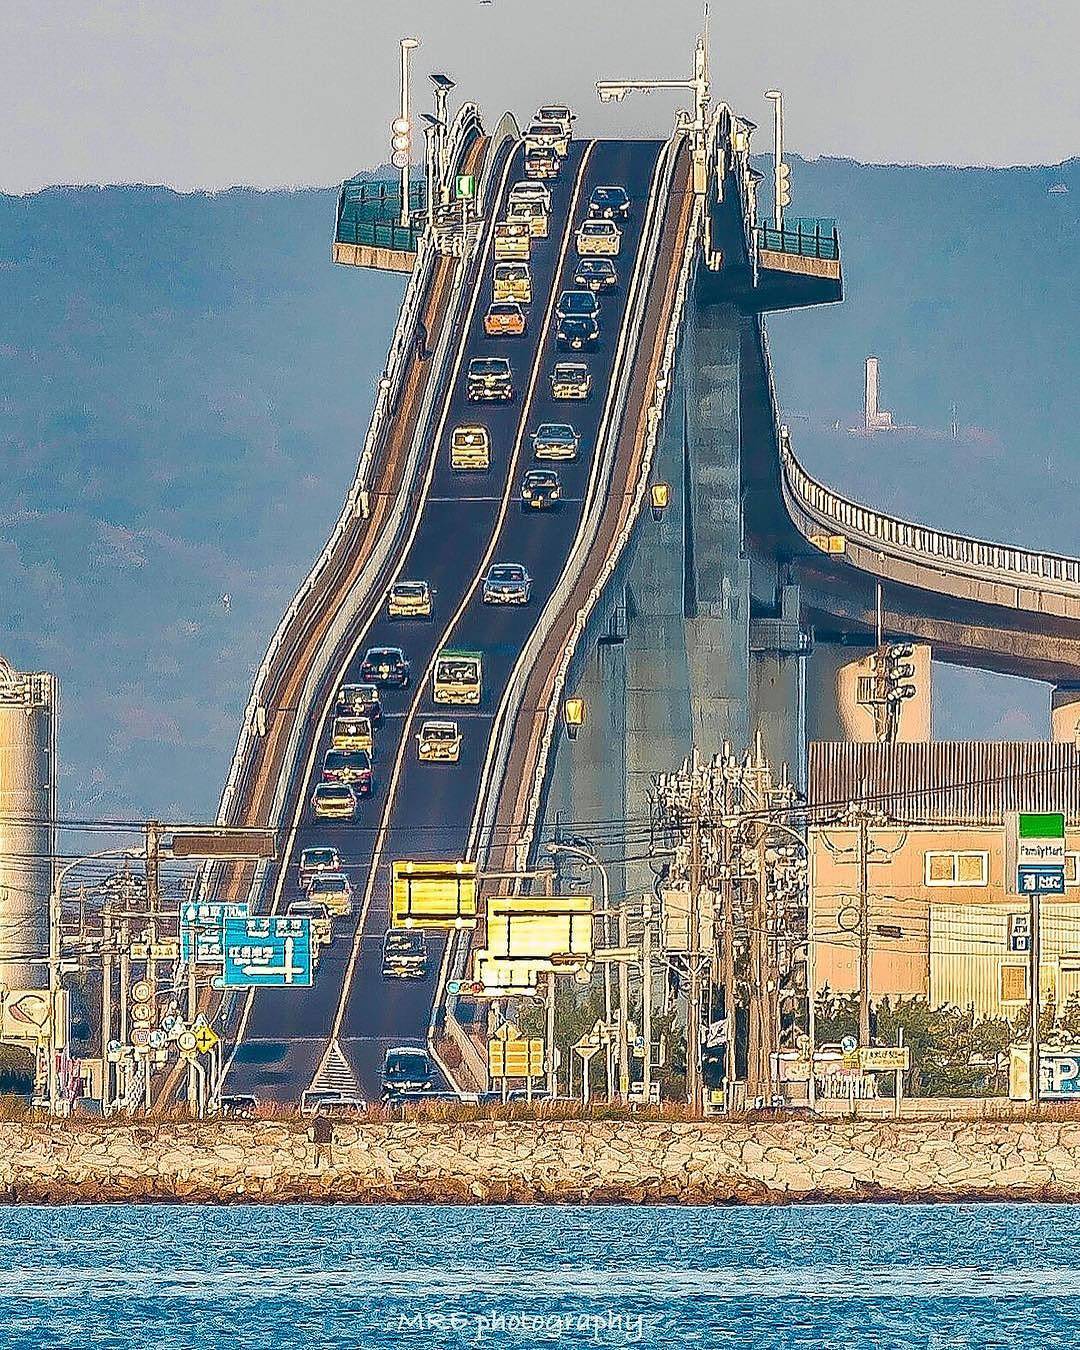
column 884, row 1057
column 515, row 1058
column 433, row 895
column 205, row 1040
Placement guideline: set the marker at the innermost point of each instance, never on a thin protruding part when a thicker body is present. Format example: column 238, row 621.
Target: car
column 348, row 766
column 489, row 380
column 542, row 161
column 384, row 666
column 321, row 924
column 439, row 740
column 330, row 1102
column 470, row 448
column 560, row 114
column 530, row 191
column 596, row 274
column 313, row 861
column 352, row 733
column 409, row 600
column 506, row 584
column 599, row 238
column 360, row 700
column 548, row 136
column 334, row 890
column 513, row 241
column 577, row 305
column 511, row 281
column 577, row 334
column 571, row 380
column 407, row 1069
column 555, row 440
column 540, row 488
column 504, row 318
column 240, row 1106
column 334, row 801
column 532, row 214
column 404, row 954
column 609, row 203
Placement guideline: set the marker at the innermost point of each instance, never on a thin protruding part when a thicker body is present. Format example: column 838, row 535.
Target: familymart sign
column 1040, row 853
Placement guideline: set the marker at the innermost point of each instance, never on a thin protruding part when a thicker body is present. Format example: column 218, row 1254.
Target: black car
column 385, row 666
column 578, row 333
column 577, row 305
column 609, row 203
column 540, row 489
column 360, row 700
column 596, row 274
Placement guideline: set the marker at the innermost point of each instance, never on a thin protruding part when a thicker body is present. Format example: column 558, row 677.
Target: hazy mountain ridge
column 185, row 381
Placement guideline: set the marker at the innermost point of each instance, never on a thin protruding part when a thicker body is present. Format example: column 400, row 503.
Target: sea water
column 424, row 1278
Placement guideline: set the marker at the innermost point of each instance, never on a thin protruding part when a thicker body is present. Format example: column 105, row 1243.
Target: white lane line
column 526, row 407
column 290, row 847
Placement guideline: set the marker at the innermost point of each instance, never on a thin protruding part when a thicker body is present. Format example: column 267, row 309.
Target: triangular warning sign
column 336, row 1074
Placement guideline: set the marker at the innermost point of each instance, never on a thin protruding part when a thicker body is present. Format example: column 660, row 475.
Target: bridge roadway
column 464, row 523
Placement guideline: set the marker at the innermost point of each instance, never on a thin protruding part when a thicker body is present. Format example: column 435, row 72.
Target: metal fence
column 805, row 237
column 369, row 212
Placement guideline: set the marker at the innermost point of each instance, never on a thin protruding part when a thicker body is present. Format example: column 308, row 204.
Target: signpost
column 267, row 949
column 511, row 1055
column 1040, row 853
column 464, row 187
column 202, row 925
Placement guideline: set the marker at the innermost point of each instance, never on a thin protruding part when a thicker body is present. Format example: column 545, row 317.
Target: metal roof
column 947, row 782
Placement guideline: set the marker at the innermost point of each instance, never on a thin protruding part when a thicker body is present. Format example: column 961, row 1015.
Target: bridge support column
column 835, row 708
column 778, row 647
column 1065, row 714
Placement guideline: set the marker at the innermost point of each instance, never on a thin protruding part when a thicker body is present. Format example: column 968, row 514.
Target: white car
column 559, row 113
column 599, row 238
column 529, row 190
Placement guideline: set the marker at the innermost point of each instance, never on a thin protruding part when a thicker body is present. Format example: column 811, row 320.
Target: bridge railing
column 806, row 238
column 965, row 553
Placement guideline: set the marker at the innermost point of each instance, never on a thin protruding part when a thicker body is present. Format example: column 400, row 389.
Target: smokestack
column 873, row 417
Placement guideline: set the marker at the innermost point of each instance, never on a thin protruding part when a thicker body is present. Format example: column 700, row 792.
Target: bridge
column 695, row 586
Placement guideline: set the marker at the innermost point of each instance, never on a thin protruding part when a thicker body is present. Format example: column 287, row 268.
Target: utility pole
column 624, row 1004
column 864, row 928
column 693, row 1012
column 1033, row 991
column 646, row 996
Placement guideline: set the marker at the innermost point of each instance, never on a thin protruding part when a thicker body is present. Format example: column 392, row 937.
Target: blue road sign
column 205, row 922
column 1041, row 878
column 267, row 949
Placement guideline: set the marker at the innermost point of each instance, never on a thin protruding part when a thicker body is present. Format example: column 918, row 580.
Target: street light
column 402, row 128
column 574, row 716
column 781, row 173
column 660, row 496
column 443, row 84
column 434, row 130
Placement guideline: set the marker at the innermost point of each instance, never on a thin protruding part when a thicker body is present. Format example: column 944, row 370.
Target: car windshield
column 576, row 321
column 541, row 478
column 347, row 759
column 570, row 370
column 494, row 365
column 544, row 129
column 596, row 267
column 469, row 435
column 400, row 942
column 511, row 272
column 383, row 654
column 330, row 886
column 598, row 227
column 319, row 857
column 408, row 1064
column 334, row 792
column 510, row 572
column 555, row 431
column 556, row 113
column 457, row 668
column 609, row 196
column 304, row 909
column 502, row 308
column 438, row 731
column 577, row 302
column 411, row 589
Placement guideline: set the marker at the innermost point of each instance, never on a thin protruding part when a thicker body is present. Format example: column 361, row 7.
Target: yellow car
column 513, row 241
column 531, row 214
column 334, row 801
column 599, row 238
column 506, row 319
column 409, row 600
column 570, row 379
column 512, row 281
column 470, row 448
column 352, row 733
column 439, row 741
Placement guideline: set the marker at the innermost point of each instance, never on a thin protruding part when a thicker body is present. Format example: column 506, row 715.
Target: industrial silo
column 28, row 720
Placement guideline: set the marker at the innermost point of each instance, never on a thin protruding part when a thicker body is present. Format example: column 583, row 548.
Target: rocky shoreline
column 538, row 1162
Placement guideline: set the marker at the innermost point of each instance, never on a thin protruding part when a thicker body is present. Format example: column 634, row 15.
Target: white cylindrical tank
column 28, row 722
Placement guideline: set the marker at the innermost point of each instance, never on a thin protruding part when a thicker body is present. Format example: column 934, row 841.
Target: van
column 470, row 448
column 513, row 241
column 512, row 281
column 531, row 214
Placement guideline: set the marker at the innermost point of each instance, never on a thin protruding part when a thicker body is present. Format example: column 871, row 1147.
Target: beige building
column 943, row 919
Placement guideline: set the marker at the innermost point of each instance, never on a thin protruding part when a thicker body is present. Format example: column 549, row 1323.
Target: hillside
column 185, row 381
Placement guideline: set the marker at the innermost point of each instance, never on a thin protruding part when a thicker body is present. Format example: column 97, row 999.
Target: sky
column 295, row 92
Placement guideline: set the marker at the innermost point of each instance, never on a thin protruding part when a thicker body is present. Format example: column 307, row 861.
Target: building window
column 957, row 869
column 1072, row 869
column 1014, row 984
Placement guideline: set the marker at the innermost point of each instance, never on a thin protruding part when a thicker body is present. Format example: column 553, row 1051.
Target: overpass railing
column 903, row 537
column 806, row 238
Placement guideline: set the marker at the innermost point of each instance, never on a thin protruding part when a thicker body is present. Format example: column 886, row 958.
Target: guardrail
column 804, row 238
column 963, row 552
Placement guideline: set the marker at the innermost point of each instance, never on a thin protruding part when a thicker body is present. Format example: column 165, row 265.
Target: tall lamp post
column 402, row 128
column 780, row 190
column 443, row 84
